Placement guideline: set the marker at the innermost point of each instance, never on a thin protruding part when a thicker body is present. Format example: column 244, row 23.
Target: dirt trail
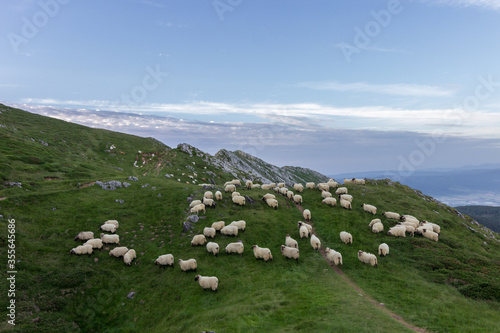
column 381, row 306
column 87, row 185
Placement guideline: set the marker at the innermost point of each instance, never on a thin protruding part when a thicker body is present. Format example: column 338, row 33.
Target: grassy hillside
column 486, row 215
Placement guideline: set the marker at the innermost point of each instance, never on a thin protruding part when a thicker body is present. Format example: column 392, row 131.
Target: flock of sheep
column 409, row 224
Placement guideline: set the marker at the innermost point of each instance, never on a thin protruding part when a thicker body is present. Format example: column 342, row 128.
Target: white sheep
column 298, row 187
column 332, row 183
column 84, row 235
column 165, row 260
column 290, row 252
column 397, row 231
column 307, row 215
column 435, row 227
column 268, row 196
column 129, row 256
column 430, row 234
column 290, row 195
column 239, row 200
column 198, row 208
column 208, row 195
column 326, row 194
column 198, row 240
column 188, row 265
column 194, row 203
column 333, row 256
column 374, row 221
column 281, row 185
column 272, row 185
column 345, row 237
column 409, row 228
column 297, row 198
column 96, row 243
column 347, row 181
column 209, row 232
column 383, row 249
column 308, row 226
column 213, row 248
column 229, row 230
column 409, row 218
column 358, row 181
column 303, row 232
column 110, row 239
column 310, row 185
column 218, row 225
column 209, row 202
column 283, row 191
column 207, row 282
column 113, row 222
column 330, row 201
column 377, row 227
column 273, row 203
column 218, row 195
column 347, row 197
column 323, row 187
column 265, row 187
column 412, row 223
column 256, row 186
column 108, row 227
column 241, row 224
column 235, row 194
column 345, row 204
column 118, row 251
column 391, row 215
column 262, row 253
column 82, row 249
column 249, row 184
column 315, row 242
column 341, row 190
column 290, row 242
column 230, row 188
column 369, row 208
column 236, row 182
column 236, row 247
column 367, row 258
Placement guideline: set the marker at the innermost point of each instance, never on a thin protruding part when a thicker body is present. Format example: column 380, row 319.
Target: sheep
column 235, row 194
column 420, row 229
column 323, row 187
column 374, row 221
column 236, row 182
column 290, row 252
column 273, row 203
column 262, row 253
column 236, row 247
column 277, row 189
column 281, row 185
column 229, row 230
column 268, row 196
column 230, row 188
column 297, row 198
column 345, row 237
column 430, row 234
column 265, row 187
column 113, row 222
column 272, row 185
column 326, row 194
column 298, row 187
column 332, row 183
column 308, row 226
column 358, row 181
column 108, row 227
column 341, row 190
column 188, row 265
column 283, row 191
column 207, row 282
column 213, row 248
column 198, row 208
column 194, row 203
column 409, row 228
column 249, row 184
column 198, row 240
column 290, row 242
column 347, row 197
column 345, row 204
column 413, row 224
column 82, row 249
column 347, row 181
column 110, row 239
column 391, row 215
column 307, row 215
column 241, row 225
column 209, row 232
column 383, row 249
column 256, row 186
column 209, row 202
column 118, row 251
column 218, row 195
column 315, row 242
column 397, row 231
column 96, row 243
column 377, row 227
column 310, row 185
column 330, row 201
column 436, row 228
column 165, row 260
column 333, row 256
column 369, row 208
column 303, row 232
column 367, row 258
column 218, row 225
column 129, row 256
column 409, row 218
column 290, row 195
column 239, row 200
column 84, row 235
column 208, row 195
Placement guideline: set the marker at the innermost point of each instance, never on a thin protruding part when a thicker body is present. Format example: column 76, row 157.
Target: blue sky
column 337, row 86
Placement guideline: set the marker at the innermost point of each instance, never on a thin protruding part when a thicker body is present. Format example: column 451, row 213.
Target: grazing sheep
column 332, row 183
column 345, row 204
column 307, row 215
column 96, row 243
column 345, row 237
column 239, row 200
column 369, row 208
column 236, row 182
column 129, row 256
column 383, row 249
column 330, row 201
column 283, row 191
column 347, row 181
column 290, row 242
column 241, row 225
column 229, row 230
column 198, row 208
column 194, row 203
column 165, row 260
column 268, row 196
column 310, row 185
column 272, row 185
column 358, row 181
column 297, row 198
column 303, row 232
column 188, row 265
column 108, row 227
column 262, row 253
column 290, row 195
column 326, row 194
column 209, row 202
column 367, row 258
column 290, row 252
column 308, row 226
column 273, row 203
column 209, row 232
column 298, row 187
column 409, row 218
column 409, row 228
column 118, row 251
column 113, row 222
column 110, row 239
column 235, row 194
column 82, row 249
column 315, row 242
column 347, row 197
column 207, row 282
column 249, row 184
column 436, row 228
column 236, row 247
column 333, row 256
column 213, row 248
column 412, row 223
column 198, row 240
column 374, row 221
column 218, row 225
column 391, row 215
column 84, row 235
column 397, row 231
column 218, row 195
column 281, row 185
column 420, row 229
column 230, row 188
column 377, row 227
column 265, row 187
column 208, row 195
column 256, row 186
column 341, row 190
column 323, row 187
column 430, row 234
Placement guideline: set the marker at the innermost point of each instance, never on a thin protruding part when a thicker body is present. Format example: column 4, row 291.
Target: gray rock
column 131, row 294
column 132, row 178
column 167, row 175
column 249, row 200
column 186, row 226
column 193, row 218
column 119, row 200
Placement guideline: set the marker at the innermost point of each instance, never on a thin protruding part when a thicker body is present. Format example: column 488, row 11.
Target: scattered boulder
column 186, row 226
column 193, row 218
column 131, row 294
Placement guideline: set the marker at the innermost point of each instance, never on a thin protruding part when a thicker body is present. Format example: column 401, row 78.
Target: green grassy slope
column 486, row 215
